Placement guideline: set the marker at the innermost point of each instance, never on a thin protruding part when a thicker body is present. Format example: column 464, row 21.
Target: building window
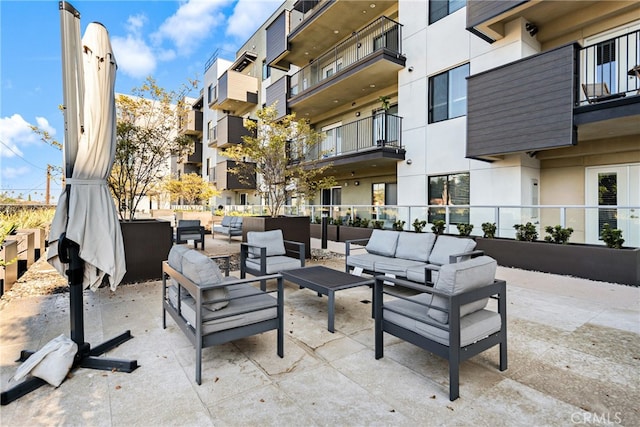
column 448, row 94
column 438, row 9
column 266, row 70
column 212, row 93
column 449, row 190
column 210, row 131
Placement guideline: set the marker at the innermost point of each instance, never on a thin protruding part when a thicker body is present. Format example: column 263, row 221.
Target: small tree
column 612, row 237
column 438, row 226
column 489, row 230
column 277, row 155
column 526, row 232
column 190, row 188
column 558, row 234
column 146, row 138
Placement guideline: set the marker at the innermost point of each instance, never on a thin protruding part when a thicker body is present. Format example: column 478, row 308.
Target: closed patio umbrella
column 85, row 241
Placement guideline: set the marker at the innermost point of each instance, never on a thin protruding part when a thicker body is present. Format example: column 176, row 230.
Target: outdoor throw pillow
column 383, row 242
column 461, row 277
column 272, row 240
column 202, row 270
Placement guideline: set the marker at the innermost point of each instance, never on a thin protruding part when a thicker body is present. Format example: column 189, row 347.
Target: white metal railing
column 586, row 221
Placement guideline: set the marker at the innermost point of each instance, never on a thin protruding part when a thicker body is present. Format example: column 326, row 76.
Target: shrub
column 398, row 225
column 526, row 233
column 465, row 229
column 612, row 237
column 438, row 226
column 419, row 225
column 489, row 230
column 558, row 234
column 364, row 223
column 378, row 224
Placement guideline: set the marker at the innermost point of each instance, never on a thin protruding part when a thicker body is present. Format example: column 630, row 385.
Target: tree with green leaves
column 146, row 138
column 190, row 189
column 277, row 153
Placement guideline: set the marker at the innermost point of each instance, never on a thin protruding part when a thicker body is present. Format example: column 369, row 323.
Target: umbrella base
column 85, row 358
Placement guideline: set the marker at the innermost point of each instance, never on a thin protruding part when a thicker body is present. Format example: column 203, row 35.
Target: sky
column 168, row 40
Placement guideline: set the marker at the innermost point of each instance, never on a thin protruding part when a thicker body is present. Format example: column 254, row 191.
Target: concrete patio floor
column 574, row 359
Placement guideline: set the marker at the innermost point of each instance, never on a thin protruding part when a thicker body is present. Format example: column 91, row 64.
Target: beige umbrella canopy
column 85, row 211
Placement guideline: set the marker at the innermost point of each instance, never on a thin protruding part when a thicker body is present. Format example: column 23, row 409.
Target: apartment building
column 452, row 102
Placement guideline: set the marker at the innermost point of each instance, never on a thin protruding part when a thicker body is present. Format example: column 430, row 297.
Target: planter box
column 146, row 244
column 293, row 228
column 333, row 232
column 8, row 273
column 586, row 261
column 26, row 249
column 352, row 233
column 39, row 235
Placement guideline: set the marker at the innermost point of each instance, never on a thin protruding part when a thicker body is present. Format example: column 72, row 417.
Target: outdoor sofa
column 229, row 226
column 413, row 256
column 212, row 308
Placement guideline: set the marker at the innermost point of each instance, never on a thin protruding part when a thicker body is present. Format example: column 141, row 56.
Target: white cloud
column 135, row 58
column 16, row 131
column 248, row 15
column 43, row 124
column 193, row 21
column 11, row 173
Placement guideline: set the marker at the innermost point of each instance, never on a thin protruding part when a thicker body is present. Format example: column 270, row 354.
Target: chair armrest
column 244, row 254
column 300, row 250
column 454, row 258
column 347, row 244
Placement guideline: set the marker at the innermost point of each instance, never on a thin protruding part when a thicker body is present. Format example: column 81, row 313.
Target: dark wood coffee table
column 325, row 281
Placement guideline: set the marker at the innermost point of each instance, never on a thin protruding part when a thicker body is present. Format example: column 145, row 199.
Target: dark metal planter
column 294, row 228
column 333, row 232
column 146, row 244
column 587, row 261
column 352, row 233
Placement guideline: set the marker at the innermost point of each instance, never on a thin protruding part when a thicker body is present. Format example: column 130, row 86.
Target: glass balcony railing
column 383, row 33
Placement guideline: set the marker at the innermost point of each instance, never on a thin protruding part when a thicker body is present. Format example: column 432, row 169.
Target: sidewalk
column 574, row 349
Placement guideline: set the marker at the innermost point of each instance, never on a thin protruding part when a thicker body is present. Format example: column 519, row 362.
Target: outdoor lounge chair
column 598, row 92
column 212, row 309
column 451, row 319
column 190, row 229
column 266, row 252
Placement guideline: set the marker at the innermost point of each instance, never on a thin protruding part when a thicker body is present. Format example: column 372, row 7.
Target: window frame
column 436, row 115
column 452, row 6
column 456, row 216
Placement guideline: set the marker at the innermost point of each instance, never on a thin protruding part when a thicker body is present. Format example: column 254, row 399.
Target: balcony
column 376, row 138
column 196, row 156
column 551, row 19
column 540, row 102
column 191, row 124
column 366, row 62
column 230, row 130
column 237, row 92
column 313, row 27
column 226, row 179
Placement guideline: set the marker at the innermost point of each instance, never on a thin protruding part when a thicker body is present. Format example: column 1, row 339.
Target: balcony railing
column 383, row 33
column 610, row 69
column 377, row 131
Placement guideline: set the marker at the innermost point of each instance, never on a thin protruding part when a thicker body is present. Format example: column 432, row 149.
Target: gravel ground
column 42, row 279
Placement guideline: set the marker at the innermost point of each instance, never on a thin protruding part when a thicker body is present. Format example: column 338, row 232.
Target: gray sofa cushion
column 272, row 240
column 365, row 261
column 175, row 256
column 202, row 270
column 460, row 277
column 383, row 242
column 275, row 264
column 473, row 327
column 415, row 246
column 449, row 245
column 396, row 266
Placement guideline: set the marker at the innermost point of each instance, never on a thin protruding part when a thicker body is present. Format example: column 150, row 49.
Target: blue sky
column 169, row 40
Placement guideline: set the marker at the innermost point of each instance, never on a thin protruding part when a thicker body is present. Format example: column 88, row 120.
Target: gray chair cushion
column 275, row 264
column 272, row 240
column 473, row 327
column 449, row 245
column 202, row 270
column 415, row 246
column 383, row 242
column 226, row 221
column 188, row 223
column 460, row 277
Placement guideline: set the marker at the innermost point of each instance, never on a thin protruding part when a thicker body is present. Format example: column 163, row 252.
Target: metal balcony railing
column 610, row 69
column 383, row 33
column 377, row 131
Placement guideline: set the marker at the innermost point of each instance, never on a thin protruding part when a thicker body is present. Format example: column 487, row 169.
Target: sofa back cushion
column 272, row 239
column 175, row 256
column 236, row 222
column 415, row 246
column 449, row 245
column 460, row 277
column 383, row 242
column 202, row 270
column 226, row 221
